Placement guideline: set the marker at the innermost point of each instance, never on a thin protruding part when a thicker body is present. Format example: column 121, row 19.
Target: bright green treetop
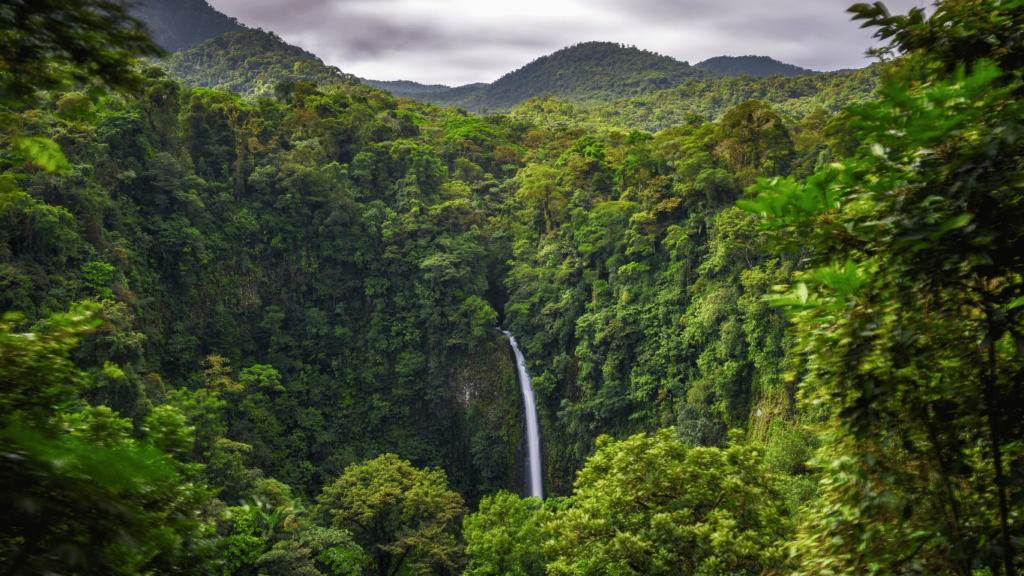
column 504, row 538
column 651, row 505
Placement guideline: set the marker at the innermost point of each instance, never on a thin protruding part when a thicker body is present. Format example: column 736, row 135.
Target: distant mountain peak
column 585, row 73
column 757, row 66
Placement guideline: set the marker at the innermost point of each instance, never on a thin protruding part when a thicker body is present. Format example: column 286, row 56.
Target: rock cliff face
column 179, row 24
column 485, row 425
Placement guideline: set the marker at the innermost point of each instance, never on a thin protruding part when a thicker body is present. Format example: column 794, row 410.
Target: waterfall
column 532, row 430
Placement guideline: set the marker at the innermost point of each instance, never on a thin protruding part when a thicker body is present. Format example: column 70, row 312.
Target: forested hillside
column 774, row 325
column 180, row 24
column 590, row 84
column 250, row 63
column 587, row 73
column 757, row 66
column 701, row 101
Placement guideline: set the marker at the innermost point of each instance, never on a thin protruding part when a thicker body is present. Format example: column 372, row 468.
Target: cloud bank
column 458, row 42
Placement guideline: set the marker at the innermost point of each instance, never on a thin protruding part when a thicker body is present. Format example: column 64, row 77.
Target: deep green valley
column 773, row 317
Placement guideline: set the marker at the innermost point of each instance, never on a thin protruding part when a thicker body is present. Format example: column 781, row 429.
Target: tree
column 84, row 495
column 504, row 538
column 50, row 44
column 53, row 44
column 260, row 378
column 754, row 139
column 398, row 512
column 958, row 33
column 909, row 314
column 651, row 505
column 314, row 551
column 538, row 188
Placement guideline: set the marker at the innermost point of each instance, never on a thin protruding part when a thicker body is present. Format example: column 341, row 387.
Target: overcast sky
column 458, row 42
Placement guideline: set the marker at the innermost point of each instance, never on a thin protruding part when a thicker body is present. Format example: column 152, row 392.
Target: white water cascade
column 532, row 430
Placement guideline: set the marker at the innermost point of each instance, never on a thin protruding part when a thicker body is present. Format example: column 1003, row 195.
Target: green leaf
column 801, row 292
column 956, row 222
column 42, row 152
column 1015, row 303
column 752, row 206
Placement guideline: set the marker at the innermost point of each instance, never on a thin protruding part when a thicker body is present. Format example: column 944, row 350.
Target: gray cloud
column 458, row 41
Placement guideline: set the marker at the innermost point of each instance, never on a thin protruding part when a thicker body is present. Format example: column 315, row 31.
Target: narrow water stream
column 532, row 430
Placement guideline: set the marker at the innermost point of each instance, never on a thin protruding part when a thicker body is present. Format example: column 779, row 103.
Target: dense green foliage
column 83, row 494
column 586, row 73
column 180, row 24
column 593, row 85
column 163, row 190
column 312, row 280
column 766, row 334
column 51, row 44
column 251, row 63
column 910, row 320
column 505, row 537
column 650, row 505
column 758, row 66
column 636, row 289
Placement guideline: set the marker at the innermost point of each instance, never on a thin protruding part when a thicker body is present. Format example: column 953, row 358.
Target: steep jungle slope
column 180, row 24
column 307, row 278
column 304, row 287
column 757, row 66
column 251, row 63
column 585, row 74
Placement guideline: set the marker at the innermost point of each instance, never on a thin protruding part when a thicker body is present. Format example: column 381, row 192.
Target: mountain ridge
column 757, row 66
column 180, row 24
column 250, row 62
column 409, row 87
column 655, row 73
column 585, row 73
